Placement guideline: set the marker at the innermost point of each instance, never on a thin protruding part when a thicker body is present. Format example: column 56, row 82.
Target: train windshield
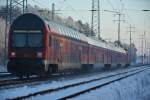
column 27, row 39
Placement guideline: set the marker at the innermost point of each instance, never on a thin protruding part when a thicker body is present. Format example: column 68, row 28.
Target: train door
column 56, row 55
column 105, row 57
column 56, row 51
column 80, row 55
column 50, row 49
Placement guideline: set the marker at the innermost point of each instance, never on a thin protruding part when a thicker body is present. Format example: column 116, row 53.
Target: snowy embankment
column 136, row 87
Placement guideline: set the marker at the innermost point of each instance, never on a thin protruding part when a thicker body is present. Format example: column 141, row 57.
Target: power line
column 74, row 10
column 111, row 4
column 39, row 3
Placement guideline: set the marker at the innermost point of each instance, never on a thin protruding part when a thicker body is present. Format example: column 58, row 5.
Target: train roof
column 69, row 32
column 26, row 21
column 66, row 31
column 107, row 45
column 37, row 22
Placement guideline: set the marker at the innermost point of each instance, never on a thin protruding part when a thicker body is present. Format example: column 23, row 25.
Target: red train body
column 37, row 46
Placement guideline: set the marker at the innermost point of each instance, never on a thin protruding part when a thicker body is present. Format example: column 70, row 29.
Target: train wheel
column 28, row 76
column 118, row 65
column 107, row 66
column 86, row 67
column 55, row 68
column 127, row 65
column 20, row 76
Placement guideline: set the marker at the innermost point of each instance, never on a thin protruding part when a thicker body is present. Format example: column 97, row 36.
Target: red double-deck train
column 38, row 46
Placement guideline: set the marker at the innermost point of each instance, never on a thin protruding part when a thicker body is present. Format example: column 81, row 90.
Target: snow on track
column 70, row 92
column 25, row 90
column 136, row 87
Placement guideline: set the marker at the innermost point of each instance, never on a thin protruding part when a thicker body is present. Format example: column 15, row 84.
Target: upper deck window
column 27, row 39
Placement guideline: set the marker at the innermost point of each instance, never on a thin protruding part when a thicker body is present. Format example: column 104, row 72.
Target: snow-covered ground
column 25, row 90
column 136, row 87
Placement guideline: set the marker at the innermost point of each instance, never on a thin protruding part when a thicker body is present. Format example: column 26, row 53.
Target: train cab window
column 19, row 40
column 50, row 40
column 35, row 40
column 27, row 39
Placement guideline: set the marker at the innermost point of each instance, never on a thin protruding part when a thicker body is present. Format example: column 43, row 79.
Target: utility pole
column 119, row 25
column 12, row 4
column 53, row 11
column 146, row 47
column 130, row 31
column 142, row 47
column 95, row 22
column 142, row 50
column 149, row 52
column 5, row 34
column 119, row 15
column 99, row 19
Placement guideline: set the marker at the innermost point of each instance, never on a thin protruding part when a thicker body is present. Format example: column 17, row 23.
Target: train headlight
column 13, row 54
column 39, row 54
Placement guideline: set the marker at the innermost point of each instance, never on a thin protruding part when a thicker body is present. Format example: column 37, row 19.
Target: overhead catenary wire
column 108, row 1
column 74, row 10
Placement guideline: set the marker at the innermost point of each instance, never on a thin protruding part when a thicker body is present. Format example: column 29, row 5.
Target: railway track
column 16, row 81
column 4, row 74
column 60, row 90
column 7, row 79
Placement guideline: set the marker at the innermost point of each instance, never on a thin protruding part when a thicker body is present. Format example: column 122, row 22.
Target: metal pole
column 98, row 19
column 92, row 18
column 142, row 50
column 23, row 6
column 130, row 44
column 119, row 29
column 5, row 48
column 53, row 11
column 10, row 12
column 26, row 6
column 149, row 52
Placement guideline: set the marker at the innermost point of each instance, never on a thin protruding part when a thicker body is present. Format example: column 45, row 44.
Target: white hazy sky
column 79, row 9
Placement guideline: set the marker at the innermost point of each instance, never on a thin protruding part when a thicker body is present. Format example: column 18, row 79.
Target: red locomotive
column 37, row 46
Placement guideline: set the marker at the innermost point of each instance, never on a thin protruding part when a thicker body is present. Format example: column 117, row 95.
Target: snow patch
column 136, row 87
